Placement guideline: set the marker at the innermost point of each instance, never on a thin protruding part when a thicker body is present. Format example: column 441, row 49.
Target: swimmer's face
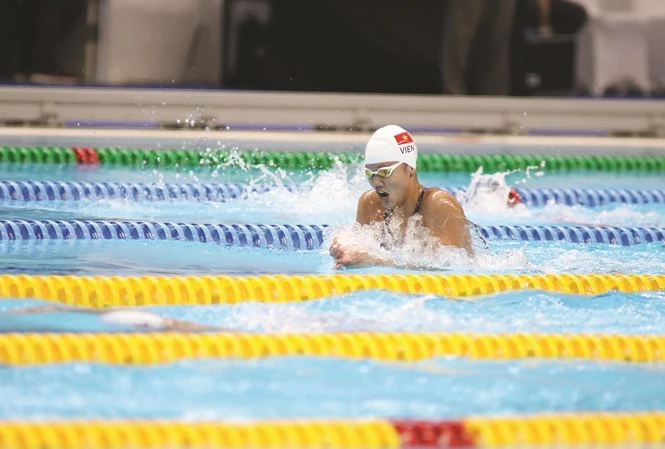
column 389, row 180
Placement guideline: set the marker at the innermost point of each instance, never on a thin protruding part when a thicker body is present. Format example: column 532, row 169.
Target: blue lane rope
column 590, row 197
column 74, row 191
column 294, row 237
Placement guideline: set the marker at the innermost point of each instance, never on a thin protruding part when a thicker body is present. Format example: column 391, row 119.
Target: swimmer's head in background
column 391, row 143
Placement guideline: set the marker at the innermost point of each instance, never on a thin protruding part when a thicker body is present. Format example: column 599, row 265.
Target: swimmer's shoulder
column 437, row 200
column 370, row 207
column 369, row 198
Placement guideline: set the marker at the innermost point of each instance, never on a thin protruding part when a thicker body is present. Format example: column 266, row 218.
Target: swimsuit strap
column 388, row 213
column 420, row 201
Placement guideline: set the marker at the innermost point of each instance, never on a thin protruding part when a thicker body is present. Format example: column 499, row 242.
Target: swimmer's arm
column 169, row 323
column 350, row 257
column 447, row 222
column 48, row 308
column 368, row 211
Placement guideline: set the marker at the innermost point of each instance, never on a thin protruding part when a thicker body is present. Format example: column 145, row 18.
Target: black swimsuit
column 388, row 238
column 387, row 215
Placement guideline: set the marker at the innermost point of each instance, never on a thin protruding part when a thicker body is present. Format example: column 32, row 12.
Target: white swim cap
column 391, row 143
column 137, row 318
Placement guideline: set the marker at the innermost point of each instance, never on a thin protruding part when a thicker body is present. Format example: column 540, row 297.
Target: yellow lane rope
column 138, row 348
column 101, row 291
column 532, row 430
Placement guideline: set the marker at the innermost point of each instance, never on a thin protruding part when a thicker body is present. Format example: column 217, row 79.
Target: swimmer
column 491, row 185
column 122, row 316
column 396, row 196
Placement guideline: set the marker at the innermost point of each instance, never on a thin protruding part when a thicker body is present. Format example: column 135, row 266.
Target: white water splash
column 486, row 196
column 329, row 196
column 485, row 201
column 619, row 215
column 423, row 250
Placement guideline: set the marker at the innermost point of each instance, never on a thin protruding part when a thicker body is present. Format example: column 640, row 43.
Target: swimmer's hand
column 351, row 256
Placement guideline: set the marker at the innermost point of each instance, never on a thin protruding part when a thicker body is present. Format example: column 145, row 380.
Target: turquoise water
column 329, row 387
column 379, row 310
column 328, row 197
column 132, row 257
column 309, row 387
column 264, row 208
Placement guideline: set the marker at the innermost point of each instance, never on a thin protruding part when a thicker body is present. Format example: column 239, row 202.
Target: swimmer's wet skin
column 391, row 157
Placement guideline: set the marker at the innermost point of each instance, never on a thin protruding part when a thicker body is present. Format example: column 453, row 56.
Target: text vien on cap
column 391, row 143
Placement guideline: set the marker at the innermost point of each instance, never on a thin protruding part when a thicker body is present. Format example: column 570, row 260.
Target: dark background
column 370, row 46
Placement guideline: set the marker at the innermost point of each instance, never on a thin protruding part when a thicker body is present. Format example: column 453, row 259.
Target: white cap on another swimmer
column 391, row 143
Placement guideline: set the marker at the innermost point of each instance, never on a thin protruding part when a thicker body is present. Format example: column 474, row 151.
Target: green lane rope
column 278, row 159
column 320, row 161
column 56, row 155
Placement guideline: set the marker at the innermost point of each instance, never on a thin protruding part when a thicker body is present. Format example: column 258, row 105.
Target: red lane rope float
column 426, row 434
column 86, row 155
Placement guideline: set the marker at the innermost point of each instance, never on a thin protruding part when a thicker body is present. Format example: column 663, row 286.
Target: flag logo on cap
column 403, row 138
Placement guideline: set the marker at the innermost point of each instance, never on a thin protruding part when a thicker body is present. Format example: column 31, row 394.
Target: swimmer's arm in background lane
column 41, row 309
column 444, row 217
column 169, row 323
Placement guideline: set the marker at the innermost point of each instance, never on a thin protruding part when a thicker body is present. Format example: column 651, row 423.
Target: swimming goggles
column 383, row 172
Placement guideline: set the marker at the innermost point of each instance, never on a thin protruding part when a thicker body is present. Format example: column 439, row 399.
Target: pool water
column 378, row 310
column 329, row 198
column 322, row 386
column 304, row 387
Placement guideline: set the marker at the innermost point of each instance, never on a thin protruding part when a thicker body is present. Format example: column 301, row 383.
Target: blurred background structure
column 520, row 48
